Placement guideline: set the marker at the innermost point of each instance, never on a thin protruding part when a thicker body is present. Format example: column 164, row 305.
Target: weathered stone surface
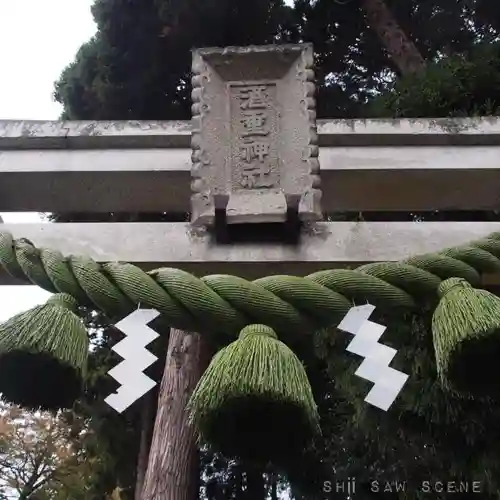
column 366, row 165
column 323, row 245
column 365, row 178
column 254, row 137
column 33, row 134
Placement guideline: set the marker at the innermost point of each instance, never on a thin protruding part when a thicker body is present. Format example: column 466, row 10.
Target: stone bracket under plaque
column 254, row 136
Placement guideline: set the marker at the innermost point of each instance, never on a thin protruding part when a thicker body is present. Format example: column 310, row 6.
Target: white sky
column 38, row 38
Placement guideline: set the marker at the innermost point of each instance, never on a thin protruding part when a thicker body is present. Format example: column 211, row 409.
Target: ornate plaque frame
column 254, row 136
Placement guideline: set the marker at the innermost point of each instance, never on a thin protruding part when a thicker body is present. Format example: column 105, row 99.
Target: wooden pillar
column 172, row 472
column 147, row 421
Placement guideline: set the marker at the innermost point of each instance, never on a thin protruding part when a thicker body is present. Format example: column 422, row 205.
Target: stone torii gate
column 255, row 149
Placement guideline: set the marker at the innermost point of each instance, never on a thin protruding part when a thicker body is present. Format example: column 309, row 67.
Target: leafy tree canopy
column 138, row 64
column 464, row 84
column 41, row 456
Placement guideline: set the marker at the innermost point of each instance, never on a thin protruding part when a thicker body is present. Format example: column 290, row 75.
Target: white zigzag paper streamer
column 137, row 358
column 375, row 368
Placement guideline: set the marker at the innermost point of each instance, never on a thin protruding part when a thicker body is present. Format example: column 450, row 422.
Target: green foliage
column 41, row 456
column 114, row 437
column 485, row 15
column 138, row 64
column 225, row 479
column 460, row 85
column 428, row 434
column 142, row 71
column 437, row 26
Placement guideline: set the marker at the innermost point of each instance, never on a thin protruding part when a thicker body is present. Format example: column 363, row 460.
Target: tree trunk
column 28, row 489
column 172, row 472
column 25, row 493
column 400, row 47
column 255, row 489
column 274, row 486
column 147, row 422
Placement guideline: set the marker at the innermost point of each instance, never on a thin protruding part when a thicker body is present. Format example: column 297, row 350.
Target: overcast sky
column 38, row 38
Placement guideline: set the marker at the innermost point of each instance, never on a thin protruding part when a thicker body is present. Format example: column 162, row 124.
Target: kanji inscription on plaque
column 254, row 138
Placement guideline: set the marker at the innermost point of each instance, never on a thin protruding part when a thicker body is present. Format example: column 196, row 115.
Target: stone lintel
column 369, row 178
column 323, row 245
column 35, row 134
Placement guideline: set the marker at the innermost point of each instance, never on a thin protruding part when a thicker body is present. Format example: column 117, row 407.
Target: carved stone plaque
column 254, row 138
